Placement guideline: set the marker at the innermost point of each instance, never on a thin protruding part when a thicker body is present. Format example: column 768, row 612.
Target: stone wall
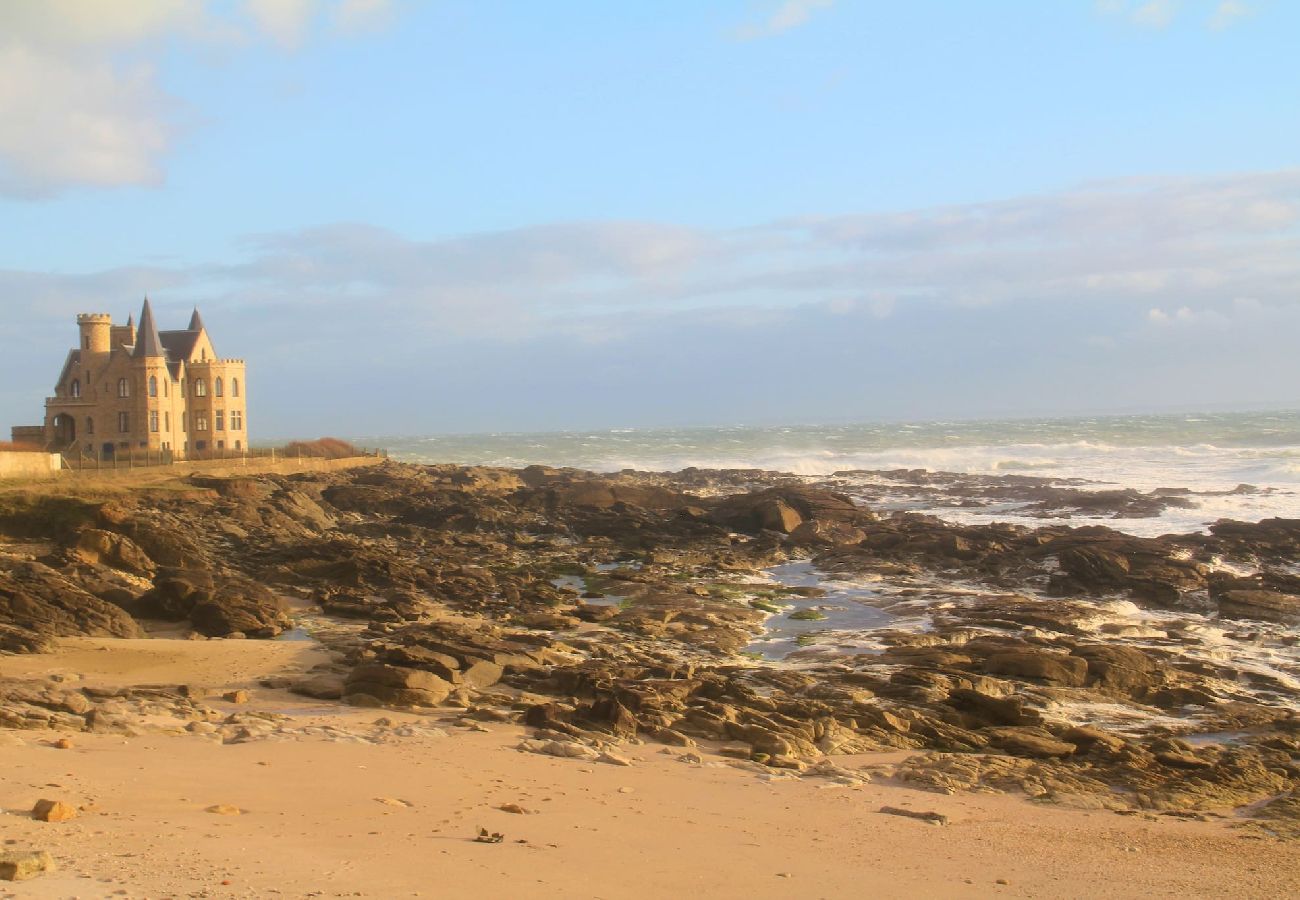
column 28, row 466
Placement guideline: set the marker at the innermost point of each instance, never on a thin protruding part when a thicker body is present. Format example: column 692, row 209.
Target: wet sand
column 333, row 815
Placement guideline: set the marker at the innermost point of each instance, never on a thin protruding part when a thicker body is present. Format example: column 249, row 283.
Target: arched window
column 218, row 388
column 123, row 388
column 76, row 388
column 153, row 385
column 234, row 387
column 90, row 425
column 200, row 388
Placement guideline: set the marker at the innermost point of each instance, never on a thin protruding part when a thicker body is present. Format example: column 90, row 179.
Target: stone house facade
column 128, row 388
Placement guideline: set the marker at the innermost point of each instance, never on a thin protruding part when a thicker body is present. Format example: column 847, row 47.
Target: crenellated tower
column 125, row 388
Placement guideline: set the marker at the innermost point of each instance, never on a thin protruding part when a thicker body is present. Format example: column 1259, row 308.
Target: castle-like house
column 140, row 389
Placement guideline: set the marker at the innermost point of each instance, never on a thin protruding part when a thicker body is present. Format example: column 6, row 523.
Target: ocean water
column 1207, row 453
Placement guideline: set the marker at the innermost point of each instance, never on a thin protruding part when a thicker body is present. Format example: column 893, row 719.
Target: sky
column 479, row 215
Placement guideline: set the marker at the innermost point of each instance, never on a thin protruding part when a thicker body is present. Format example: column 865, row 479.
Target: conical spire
column 196, row 321
column 130, row 321
column 147, row 342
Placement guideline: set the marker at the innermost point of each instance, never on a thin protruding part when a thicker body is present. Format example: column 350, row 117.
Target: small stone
column 235, row 696
column 63, row 744
column 224, row 809
column 626, row 790
column 20, row 865
column 1002, row 881
column 53, row 811
column 514, row 808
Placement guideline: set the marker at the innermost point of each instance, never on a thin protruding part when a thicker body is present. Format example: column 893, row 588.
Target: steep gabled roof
column 179, row 344
column 147, row 342
column 74, row 359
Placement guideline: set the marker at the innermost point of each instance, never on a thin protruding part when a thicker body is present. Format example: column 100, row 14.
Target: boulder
column 777, row 515
column 1258, row 604
column 97, row 546
column 175, row 593
column 20, row 865
column 240, row 607
column 1095, row 566
column 37, row 603
column 1120, row 670
column 324, row 686
column 784, row 509
column 827, row 533
column 397, row 685
column 1039, row 665
column 1029, row 742
column 986, row 710
column 1086, row 737
column 53, row 811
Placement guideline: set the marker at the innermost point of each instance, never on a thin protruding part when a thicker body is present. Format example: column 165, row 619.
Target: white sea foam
column 1204, row 452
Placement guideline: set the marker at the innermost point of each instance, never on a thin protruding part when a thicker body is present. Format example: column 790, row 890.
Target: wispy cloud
column 81, row 100
column 790, row 14
column 1227, row 14
column 1186, row 283
column 1155, row 13
column 1153, row 242
column 1160, row 14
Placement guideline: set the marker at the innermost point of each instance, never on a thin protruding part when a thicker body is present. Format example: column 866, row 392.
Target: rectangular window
column 123, row 422
column 200, row 422
column 153, row 421
column 221, row 420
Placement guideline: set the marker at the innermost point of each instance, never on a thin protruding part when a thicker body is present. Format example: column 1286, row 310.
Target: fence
column 133, row 458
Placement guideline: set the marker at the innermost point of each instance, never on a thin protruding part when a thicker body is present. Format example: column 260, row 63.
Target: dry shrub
column 322, row 448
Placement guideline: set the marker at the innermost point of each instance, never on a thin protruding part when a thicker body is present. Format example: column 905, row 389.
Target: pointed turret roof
column 147, row 342
column 130, row 321
column 196, row 321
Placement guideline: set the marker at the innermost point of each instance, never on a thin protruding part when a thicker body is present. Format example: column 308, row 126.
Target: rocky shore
column 1075, row 665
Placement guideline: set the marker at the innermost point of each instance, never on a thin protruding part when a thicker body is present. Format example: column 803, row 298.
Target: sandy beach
column 332, row 807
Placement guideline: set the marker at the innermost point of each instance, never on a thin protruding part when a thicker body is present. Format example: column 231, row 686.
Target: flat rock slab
column 933, row 818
